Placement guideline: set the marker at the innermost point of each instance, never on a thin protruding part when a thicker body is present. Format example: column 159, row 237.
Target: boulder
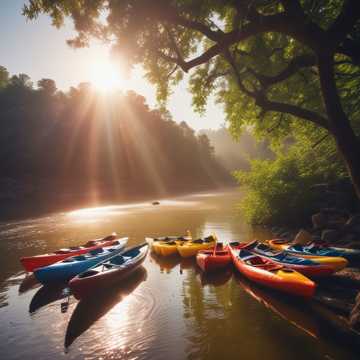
column 303, row 237
column 319, row 220
column 330, row 236
column 355, row 314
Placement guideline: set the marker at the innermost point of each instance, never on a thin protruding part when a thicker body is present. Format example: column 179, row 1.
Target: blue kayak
column 65, row 270
column 279, row 256
column 349, row 254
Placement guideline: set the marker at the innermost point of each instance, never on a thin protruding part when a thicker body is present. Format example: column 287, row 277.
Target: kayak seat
column 74, row 247
column 88, row 273
column 198, row 241
column 96, row 251
column 234, row 243
column 117, row 260
column 62, row 251
column 79, row 258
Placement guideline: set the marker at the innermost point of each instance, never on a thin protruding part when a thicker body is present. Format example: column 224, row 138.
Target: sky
column 39, row 50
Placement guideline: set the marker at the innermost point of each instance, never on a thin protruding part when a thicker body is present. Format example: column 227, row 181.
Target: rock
column 353, row 221
column 303, row 237
column 319, row 220
column 330, row 236
column 348, row 277
column 355, row 314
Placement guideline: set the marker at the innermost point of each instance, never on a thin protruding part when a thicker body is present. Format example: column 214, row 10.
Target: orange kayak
column 269, row 274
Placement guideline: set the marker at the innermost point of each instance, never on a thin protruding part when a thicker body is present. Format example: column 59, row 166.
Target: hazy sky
column 40, row 50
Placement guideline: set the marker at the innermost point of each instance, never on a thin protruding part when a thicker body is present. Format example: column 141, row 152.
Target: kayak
column 31, row 263
column 109, row 272
column 314, row 250
column 191, row 248
column 210, row 260
column 167, row 245
column 66, row 269
column 312, row 268
column 269, row 274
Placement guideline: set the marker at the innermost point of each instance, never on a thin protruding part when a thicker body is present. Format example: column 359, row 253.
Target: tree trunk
column 347, row 142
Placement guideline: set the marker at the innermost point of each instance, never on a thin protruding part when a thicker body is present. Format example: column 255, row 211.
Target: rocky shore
column 337, row 300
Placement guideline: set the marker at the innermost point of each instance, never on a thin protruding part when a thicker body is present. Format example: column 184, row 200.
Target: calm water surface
column 166, row 310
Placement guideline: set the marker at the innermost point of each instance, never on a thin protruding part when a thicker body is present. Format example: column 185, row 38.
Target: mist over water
column 167, row 309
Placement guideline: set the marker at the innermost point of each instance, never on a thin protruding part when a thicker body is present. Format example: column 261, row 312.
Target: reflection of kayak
column 216, row 278
column 91, row 309
column 31, row 263
column 286, row 308
column 309, row 267
column 165, row 263
column 68, row 268
column 332, row 257
column 108, row 273
column 266, row 273
column 28, row 283
column 191, row 248
column 46, row 295
column 209, row 260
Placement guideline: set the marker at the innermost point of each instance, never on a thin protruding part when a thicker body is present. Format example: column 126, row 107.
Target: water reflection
column 165, row 263
column 216, row 279
column 47, row 295
column 29, row 282
column 289, row 308
column 91, row 309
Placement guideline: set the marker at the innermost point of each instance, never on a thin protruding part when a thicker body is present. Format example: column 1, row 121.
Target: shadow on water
column 91, row 309
column 29, row 282
column 47, row 295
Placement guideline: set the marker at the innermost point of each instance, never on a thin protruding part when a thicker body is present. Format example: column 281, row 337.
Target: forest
column 61, row 149
column 288, row 71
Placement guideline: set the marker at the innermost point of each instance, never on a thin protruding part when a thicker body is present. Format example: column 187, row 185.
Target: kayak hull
column 91, row 281
column 210, row 262
column 63, row 271
column 274, row 276
column 30, row 263
column 336, row 262
column 191, row 249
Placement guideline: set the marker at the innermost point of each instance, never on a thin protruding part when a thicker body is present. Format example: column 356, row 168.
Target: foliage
column 283, row 191
column 80, row 143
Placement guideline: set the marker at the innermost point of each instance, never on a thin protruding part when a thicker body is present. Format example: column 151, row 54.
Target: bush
column 281, row 191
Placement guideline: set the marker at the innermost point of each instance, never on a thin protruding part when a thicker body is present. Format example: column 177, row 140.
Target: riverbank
column 337, row 299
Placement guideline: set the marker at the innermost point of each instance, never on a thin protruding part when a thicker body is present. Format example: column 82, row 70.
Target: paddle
column 215, row 238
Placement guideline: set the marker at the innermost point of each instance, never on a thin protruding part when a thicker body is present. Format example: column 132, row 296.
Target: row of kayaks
column 97, row 264
column 275, row 264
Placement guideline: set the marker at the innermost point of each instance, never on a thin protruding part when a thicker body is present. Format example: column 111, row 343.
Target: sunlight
column 106, row 76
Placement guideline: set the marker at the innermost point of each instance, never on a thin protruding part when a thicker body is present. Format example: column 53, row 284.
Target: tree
column 47, row 85
column 267, row 60
column 4, row 77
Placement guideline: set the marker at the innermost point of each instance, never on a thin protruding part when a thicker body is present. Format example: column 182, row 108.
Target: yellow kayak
column 167, row 246
column 336, row 262
column 191, row 248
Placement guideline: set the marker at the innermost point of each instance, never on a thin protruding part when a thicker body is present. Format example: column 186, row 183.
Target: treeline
column 236, row 154
column 75, row 146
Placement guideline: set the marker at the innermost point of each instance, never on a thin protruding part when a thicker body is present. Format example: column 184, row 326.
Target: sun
column 105, row 76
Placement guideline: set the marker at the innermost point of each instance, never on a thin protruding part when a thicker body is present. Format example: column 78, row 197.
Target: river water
column 167, row 309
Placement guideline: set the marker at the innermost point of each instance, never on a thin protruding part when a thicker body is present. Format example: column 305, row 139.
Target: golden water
column 167, row 310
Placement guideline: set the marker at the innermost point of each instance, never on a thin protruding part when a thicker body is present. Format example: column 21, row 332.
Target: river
column 167, row 309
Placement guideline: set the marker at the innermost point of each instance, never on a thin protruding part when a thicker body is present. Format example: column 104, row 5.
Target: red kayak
column 31, row 263
column 269, row 274
column 108, row 273
column 210, row 260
